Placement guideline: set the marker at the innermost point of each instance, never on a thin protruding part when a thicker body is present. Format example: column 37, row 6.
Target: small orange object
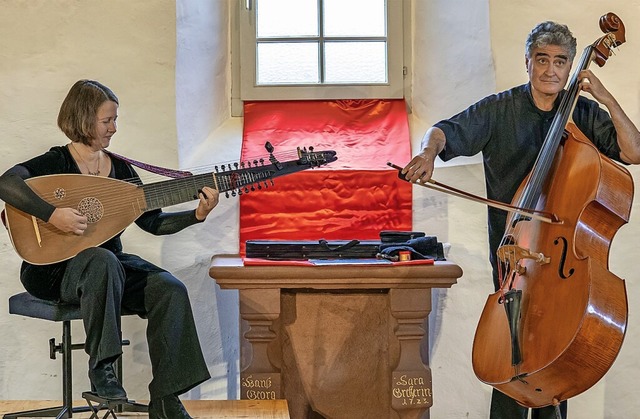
column 404, row 256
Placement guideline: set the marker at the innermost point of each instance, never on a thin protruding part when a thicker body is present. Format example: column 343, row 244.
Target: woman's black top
column 43, row 281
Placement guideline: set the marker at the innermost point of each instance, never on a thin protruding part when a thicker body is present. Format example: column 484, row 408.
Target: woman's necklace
column 97, row 172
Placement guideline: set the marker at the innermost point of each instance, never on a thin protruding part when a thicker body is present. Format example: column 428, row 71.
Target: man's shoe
column 105, row 383
column 167, row 407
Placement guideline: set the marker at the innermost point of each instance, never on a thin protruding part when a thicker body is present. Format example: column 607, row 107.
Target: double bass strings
column 543, row 163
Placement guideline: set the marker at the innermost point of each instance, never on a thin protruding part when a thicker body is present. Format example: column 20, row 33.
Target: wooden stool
column 25, row 304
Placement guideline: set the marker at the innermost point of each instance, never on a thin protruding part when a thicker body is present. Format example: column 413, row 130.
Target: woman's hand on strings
column 69, row 220
column 209, row 198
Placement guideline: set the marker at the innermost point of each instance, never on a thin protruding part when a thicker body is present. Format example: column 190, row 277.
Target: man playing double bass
column 509, row 129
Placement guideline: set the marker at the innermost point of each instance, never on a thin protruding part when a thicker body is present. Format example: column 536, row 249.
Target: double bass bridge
column 513, row 253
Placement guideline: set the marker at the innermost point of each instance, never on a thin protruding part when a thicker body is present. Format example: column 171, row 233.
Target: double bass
column 557, row 323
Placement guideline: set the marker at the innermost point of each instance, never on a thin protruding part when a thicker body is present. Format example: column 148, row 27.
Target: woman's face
column 106, row 124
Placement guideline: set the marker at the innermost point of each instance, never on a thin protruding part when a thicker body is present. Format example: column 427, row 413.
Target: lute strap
column 151, row 168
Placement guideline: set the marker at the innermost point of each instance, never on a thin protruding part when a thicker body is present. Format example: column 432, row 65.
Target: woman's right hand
column 69, row 220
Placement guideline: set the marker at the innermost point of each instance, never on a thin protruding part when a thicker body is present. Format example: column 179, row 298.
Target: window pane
column 287, row 18
column 355, row 62
column 354, row 18
column 287, row 62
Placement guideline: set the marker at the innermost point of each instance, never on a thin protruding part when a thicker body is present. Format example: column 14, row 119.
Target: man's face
column 548, row 69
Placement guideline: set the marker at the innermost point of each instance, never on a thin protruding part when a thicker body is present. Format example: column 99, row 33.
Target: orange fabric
column 365, row 133
column 352, row 198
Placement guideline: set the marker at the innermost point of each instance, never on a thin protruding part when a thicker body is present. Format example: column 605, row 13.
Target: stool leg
column 67, row 390
column 66, row 410
column 118, row 367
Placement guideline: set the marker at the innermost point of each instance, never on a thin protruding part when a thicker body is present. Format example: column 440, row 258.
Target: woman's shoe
column 104, row 382
column 167, row 407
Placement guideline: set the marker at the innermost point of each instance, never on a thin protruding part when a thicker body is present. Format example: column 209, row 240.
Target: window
column 319, row 49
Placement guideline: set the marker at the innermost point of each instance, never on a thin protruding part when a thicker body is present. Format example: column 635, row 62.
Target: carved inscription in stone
column 260, row 386
column 411, row 390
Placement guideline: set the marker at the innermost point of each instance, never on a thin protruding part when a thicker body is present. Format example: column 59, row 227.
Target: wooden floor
column 201, row 409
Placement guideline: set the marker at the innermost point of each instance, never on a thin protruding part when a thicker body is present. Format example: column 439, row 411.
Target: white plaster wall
column 463, row 50
column 202, row 71
column 203, row 108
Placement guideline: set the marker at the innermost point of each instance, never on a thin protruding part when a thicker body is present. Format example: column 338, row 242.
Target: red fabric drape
column 352, row 198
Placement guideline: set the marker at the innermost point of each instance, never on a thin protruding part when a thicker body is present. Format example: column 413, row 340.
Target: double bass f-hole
column 563, row 258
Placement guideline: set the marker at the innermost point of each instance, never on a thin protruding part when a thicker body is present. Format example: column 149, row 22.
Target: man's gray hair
column 551, row 33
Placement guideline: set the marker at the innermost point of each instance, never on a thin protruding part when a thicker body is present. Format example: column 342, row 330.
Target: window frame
column 244, row 64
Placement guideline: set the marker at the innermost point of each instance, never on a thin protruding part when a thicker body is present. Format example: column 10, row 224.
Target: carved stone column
column 411, row 393
column 260, row 379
